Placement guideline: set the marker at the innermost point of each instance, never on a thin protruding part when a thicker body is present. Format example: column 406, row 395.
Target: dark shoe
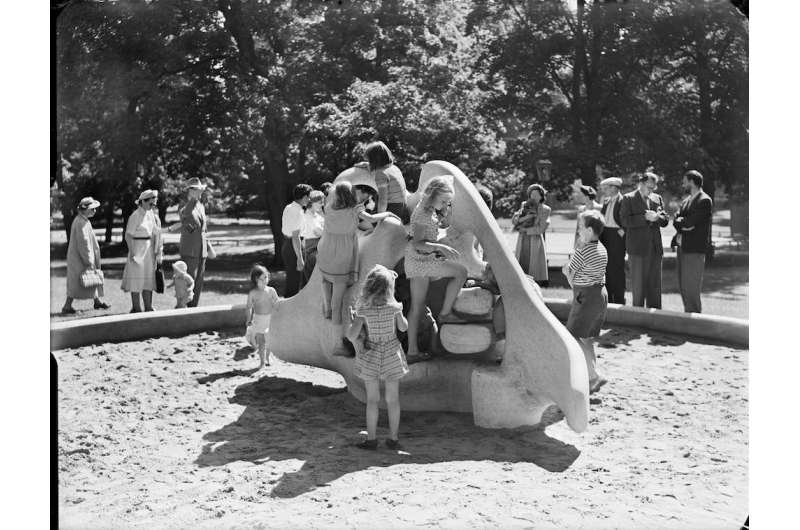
column 422, row 356
column 101, row 305
column 134, row 310
column 368, row 444
column 68, row 311
column 393, row 444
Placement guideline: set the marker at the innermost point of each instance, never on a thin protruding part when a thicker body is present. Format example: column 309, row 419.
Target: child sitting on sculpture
column 184, row 284
column 337, row 252
column 261, row 302
column 427, row 259
column 382, row 358
column 585, row 272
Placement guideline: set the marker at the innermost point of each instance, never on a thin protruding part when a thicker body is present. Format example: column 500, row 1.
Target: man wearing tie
column 641, row 214
column 194, row 242
column 613, row 238
column 693, row 223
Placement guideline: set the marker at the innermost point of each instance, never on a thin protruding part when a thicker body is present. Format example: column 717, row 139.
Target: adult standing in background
column 313, row 224
column 584, row 198
column 532, row 221
column 83, row 253
column 693, row 223
column 642, row 216
column 194, row 236
column 389, row 180
column 613, row 238
column 143, row 237
column 292, row 248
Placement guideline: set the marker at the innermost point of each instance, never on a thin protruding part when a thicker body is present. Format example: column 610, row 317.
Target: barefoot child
column 382, row 358
column 261, row 302
column 586, row 274
column 184, row 284
column 337, row 252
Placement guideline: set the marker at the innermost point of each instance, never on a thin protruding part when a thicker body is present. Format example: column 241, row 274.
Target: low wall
column 180, row 322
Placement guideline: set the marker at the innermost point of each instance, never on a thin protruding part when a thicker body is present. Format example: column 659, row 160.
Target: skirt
column 588, row 311
column 260, row 325
column 532, row 256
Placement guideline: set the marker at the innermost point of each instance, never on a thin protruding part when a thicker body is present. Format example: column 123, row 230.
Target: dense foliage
column 255, row 96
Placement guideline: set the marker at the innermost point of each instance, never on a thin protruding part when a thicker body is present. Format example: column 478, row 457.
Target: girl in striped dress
column 586, row 271
column 382, row 358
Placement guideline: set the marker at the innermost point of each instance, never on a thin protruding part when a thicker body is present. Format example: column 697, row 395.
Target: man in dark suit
column 642, row 215
column 693, row 223
column 194, row 241
column 613, row 238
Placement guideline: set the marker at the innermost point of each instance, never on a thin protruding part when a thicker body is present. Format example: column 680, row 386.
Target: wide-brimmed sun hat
column 147, row 194
column 194, row 183
column 88, row 202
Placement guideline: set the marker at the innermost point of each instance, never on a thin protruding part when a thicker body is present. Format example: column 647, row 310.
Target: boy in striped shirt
column 586, row 274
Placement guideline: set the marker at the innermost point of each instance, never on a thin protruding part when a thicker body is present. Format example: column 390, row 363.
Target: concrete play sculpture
column 541, row 363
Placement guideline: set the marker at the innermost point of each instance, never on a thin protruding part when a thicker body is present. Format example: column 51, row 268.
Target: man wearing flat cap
column 693, row 223
column 613, row 238
column 194, row 236
column 642, row 215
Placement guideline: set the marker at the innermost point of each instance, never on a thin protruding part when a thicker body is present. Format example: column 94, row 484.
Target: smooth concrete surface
column 717, row 328
column 136, row 326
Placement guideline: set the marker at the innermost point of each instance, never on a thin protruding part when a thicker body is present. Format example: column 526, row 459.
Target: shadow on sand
column 286, row 419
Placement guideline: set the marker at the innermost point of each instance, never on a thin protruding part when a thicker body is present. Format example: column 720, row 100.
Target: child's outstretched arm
column 400, row 321
column 250, row 308
column 354, row 328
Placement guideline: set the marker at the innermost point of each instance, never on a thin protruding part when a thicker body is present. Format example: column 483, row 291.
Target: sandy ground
column 177, row 433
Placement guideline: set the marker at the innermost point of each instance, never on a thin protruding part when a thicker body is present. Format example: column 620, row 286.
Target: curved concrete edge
column 121, row 328
column 723, row 329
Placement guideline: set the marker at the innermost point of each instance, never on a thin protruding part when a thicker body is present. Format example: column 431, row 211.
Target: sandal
column 368, row 444
column 421, row 356
column 597, row 385
column 393, row 444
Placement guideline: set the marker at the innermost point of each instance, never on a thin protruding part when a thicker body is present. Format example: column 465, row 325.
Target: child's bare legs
column 373, row 398
column 147, row 296
column 336, row 302
column 595, row 379
column 393, row 407
column 136, row 302
column 182, row 303
column 261, row 341
column 458, row 273
column 419, row 290
column 327, row 293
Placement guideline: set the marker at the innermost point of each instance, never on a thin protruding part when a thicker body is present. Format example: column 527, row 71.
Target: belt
column 141, row 237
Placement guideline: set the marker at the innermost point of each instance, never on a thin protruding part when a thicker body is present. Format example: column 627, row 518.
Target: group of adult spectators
column 143, row 236
column 633, row 223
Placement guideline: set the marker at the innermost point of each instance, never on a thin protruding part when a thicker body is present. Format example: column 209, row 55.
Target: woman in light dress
column 83, row 253
column 143, row 236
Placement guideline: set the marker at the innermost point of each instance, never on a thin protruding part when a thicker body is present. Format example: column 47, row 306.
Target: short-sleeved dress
column 337, row 252
column 419, row 264
column 140, row 268
column 383, row 356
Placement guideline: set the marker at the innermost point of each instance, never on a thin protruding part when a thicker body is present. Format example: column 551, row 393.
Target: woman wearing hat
column 584, row 198
column 532, row 221
column 143, row 236
column 193, row 226
column 83, row 254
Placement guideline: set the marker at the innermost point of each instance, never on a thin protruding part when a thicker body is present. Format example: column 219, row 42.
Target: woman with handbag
column 84, row 277
column 143, row 236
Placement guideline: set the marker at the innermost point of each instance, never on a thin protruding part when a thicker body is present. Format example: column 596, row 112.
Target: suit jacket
column 194, row 242
column 693, row 223
column 642, row 235
column 614, row 212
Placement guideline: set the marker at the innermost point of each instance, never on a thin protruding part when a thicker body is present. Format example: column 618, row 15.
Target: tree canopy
column 256, row 96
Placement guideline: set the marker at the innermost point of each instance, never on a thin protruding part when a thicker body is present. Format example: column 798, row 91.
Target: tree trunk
column 706, row 114
column 109, row 217
column 277, row 187
column 577, row 71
